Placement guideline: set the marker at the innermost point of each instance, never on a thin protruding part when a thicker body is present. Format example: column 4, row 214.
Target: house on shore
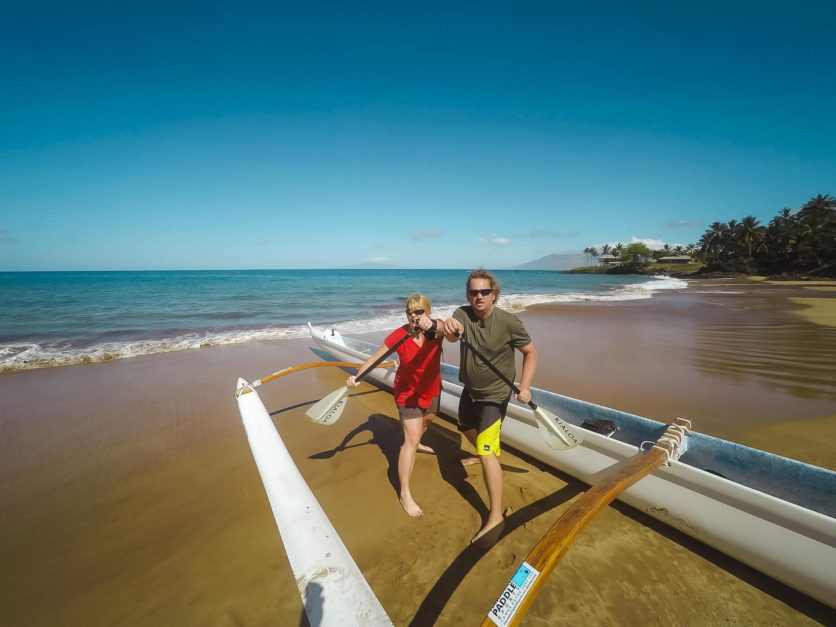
column 675, row 259
column 608, row 260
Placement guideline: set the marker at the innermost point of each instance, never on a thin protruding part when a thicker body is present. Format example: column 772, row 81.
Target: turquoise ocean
column 60, row 318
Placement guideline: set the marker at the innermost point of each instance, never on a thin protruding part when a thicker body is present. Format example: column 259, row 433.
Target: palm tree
column 711, row 242
column 731, row 239
column 780, row 239
column 750, row 232
column 817, row 219
column 605, row 249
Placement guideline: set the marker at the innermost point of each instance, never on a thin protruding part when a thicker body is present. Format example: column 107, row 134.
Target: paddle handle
column 359, row 376
column 494, row 369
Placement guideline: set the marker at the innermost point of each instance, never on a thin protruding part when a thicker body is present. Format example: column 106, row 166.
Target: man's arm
column 452, row 329
column 529, row 367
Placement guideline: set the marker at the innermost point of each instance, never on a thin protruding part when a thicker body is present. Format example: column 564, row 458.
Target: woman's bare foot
column 469, row 461
column 411, row 507
column 423, row 448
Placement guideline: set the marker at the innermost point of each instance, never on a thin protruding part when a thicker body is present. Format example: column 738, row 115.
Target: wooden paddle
column 249, row 387
column 328, row 410
column 558, row 434
column 519, row 594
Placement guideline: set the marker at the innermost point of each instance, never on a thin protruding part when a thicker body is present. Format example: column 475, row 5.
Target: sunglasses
column 415, row 312
column 484, row 292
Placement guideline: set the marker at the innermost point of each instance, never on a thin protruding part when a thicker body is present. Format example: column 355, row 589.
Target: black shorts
column 479, row 415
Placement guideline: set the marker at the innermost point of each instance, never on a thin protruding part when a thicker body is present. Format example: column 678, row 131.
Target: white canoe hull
column 792, row 544
column 333, row 590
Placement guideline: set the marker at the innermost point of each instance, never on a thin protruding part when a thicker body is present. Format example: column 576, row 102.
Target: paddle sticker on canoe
column 506, row 605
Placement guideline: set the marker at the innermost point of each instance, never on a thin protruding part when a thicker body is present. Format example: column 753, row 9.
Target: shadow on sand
column 386, row 434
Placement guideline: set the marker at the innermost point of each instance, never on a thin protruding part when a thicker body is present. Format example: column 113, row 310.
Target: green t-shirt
column 495, row 337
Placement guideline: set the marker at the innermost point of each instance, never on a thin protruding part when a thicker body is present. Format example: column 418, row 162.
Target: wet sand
column 129, row 495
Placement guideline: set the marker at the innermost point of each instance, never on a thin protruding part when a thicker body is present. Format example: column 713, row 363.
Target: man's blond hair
column 481, row 273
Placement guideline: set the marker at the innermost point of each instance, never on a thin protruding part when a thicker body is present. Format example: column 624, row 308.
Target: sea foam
column 24, row 354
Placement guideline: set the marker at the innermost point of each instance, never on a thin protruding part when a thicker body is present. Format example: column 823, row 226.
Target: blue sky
column 309, row 135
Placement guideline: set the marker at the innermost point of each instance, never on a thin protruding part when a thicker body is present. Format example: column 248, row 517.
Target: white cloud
column 376, row 260
column 650, row 242
column 494, row 239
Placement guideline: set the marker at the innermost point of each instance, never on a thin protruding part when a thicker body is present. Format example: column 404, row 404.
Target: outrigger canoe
column 774, row 514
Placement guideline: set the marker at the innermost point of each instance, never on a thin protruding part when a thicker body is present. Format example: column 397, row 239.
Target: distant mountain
column 556, row 262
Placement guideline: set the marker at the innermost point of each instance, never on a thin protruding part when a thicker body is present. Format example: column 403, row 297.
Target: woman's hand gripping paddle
column 328, row 410
column 558, row 434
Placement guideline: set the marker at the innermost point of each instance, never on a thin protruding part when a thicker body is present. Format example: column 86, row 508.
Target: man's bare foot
column 469, row 461
column 411, row 507
column 423, row 448
column 489, row 534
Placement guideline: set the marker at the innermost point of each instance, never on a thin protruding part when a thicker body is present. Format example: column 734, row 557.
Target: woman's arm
column 350, row 382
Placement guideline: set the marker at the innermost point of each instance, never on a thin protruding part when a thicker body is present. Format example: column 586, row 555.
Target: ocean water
column 60, row 318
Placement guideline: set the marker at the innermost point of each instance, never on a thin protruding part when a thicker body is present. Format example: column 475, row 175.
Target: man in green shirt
column 495, row 333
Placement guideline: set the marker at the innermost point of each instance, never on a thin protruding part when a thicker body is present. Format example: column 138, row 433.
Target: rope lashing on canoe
column 673, row 441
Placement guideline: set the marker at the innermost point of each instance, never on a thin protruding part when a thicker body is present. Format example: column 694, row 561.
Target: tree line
column 799, row 241
column 802, row 241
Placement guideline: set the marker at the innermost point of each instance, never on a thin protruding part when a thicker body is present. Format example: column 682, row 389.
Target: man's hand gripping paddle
column 558, row 434
column 328, row 410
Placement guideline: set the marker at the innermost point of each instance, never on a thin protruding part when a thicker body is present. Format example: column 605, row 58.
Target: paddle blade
column 558, row 434
column 329, row 409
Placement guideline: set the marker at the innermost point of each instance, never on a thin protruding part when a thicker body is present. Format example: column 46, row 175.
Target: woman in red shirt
column 417, row 385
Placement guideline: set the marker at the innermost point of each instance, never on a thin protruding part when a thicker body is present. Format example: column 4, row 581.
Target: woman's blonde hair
column 418, row 301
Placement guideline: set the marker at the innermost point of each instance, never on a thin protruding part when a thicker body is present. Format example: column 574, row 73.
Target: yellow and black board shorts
column 484, row 416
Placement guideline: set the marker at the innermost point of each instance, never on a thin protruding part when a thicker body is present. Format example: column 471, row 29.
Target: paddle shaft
column 556, row 542
column 379, row 360
column 495, row 370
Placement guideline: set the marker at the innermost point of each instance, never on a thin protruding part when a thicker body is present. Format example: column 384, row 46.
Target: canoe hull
column 790, row 543
column 332, row 587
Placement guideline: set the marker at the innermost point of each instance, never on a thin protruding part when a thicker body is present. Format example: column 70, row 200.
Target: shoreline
column 744, row 361
column 106, row 341
column 130, row 494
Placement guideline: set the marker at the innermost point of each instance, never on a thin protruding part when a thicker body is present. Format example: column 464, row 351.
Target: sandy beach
column 129, row 494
